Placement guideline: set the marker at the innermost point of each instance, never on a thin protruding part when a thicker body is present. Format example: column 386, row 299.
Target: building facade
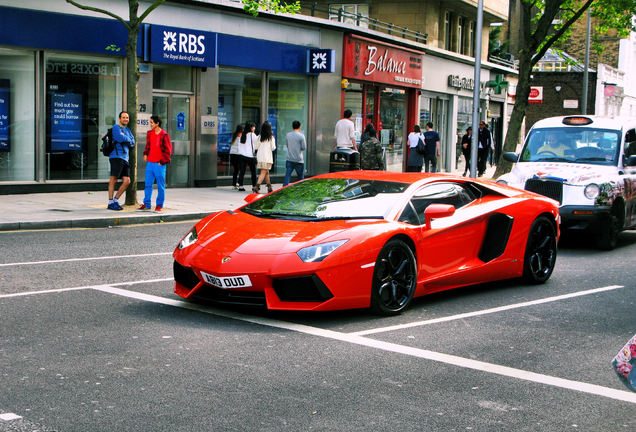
column 205, row 67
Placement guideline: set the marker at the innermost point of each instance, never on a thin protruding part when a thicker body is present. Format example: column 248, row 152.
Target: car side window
column 630, row 143
column 437, row 193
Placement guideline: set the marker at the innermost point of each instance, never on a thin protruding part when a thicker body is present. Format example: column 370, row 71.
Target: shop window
column 239, row 102
column 17, row 115
column 287, row 101
column 172, row 77
column 357, row 14
column 353, row 102
column 391, row 134
column 83, row 99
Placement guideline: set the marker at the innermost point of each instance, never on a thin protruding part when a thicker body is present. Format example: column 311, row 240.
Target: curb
column 101, row 222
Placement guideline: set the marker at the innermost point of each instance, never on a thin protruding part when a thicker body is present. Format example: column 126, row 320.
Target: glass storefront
column 239, row 102
column 17, row 115
column 287, row 101
column 435, row 110
column 391, row 134
column 83, row 99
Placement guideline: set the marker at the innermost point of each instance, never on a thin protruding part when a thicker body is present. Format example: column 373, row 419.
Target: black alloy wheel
column 541, row 251
column 394, row 278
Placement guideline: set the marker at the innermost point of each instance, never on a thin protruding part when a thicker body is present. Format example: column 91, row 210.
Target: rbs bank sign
column 182, row 46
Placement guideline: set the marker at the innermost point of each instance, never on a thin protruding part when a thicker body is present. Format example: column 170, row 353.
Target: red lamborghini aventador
column 362, row 239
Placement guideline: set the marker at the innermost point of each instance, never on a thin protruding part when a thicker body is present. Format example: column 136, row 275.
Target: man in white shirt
column 345, row 132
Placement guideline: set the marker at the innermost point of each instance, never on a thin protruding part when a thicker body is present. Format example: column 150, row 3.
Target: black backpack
column 108, row 145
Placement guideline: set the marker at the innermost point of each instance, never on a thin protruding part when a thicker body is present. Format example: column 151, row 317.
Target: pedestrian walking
column 156, row 155
column 265, row 146
column 296, row 144
column 365, row 133
column 466, row 146
column 119, row 166
column 345, row 132
column 235, row 156
column 415, row 159
column 246, row 152
column 432, row 148
column 485, row 142
column 371, row 152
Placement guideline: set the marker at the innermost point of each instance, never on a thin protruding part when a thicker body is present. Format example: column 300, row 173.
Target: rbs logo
column 187, row 43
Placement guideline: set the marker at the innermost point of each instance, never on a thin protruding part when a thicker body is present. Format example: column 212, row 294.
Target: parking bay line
column 485, row 311
column 85, row 259
column 593, row 389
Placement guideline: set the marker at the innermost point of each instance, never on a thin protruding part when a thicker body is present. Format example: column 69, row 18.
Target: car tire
column 608, row 235
column 541, row 251
column 394, row 278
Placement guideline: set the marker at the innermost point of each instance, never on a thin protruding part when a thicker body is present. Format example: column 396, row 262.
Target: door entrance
column 176, row 112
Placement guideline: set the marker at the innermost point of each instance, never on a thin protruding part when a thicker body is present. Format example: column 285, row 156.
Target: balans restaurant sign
column 367, row 60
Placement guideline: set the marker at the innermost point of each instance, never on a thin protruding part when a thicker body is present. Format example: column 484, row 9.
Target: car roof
column 601, row 122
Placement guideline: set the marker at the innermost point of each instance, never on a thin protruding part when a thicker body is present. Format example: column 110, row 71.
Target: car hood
column 246, row 234
column 570, row 173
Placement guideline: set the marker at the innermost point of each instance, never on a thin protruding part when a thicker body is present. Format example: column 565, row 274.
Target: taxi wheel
column 394, row 278
column 608, row 236
column 541, row 251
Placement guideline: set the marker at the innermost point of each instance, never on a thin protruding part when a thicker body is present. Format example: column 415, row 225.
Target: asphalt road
column 92, row 339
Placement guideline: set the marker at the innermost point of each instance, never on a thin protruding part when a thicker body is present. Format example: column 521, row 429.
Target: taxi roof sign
column 577, row 121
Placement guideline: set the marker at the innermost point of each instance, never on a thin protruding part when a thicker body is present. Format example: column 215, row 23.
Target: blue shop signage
column 321, row 60
column 5, row 87
column 181, row 46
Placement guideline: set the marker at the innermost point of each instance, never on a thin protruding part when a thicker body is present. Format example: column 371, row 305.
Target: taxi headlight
column 320, row 251
column 591, row 191
column 189, row 239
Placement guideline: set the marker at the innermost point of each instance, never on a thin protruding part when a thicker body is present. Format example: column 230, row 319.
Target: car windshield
column 329, row 198
column 574, row 145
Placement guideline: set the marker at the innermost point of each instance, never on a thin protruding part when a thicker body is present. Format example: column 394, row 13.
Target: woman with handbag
column 265, row 146
column 416, row 150
column 246, row 152
column 234, row 154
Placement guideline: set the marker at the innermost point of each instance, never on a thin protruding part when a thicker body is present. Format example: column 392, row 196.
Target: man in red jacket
column 157, row 156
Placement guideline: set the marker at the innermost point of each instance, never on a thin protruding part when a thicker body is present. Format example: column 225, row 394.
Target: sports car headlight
column 591, row 191
column 189, row 239
column 320, row 251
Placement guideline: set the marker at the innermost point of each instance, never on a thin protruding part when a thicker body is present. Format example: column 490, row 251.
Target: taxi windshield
column 574, row 145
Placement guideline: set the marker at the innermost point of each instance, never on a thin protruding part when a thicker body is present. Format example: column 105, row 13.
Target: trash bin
column 344, row 160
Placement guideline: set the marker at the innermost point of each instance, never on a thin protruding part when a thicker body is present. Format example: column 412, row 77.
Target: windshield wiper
column 592, row 159
column 553, row 159
column 328, row 218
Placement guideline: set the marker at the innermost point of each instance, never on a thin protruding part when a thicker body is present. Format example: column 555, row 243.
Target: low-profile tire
column 541, row 251
column 394, row 278
column 608, row 234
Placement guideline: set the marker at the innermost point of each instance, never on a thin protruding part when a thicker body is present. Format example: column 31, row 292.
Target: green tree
column 132, row 24
column 276, row 6
column 544, row 23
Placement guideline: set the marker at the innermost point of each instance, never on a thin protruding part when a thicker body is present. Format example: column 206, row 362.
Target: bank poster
column 5, row 114
column 66, row 113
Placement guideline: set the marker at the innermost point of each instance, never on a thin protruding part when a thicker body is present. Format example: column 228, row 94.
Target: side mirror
column 511, row 157
column 252, row 197
column 436, row 211
column 631, row 161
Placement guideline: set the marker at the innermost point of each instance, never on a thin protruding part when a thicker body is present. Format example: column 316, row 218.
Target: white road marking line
column 9, row 417
column 485, row 311
column 594, row 389
column 85, row 259
column 59, row 290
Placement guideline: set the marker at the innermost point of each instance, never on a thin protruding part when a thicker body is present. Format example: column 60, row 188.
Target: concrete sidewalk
column 88, row 209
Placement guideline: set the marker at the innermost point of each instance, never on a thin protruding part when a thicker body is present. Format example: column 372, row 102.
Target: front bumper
column 579, row 217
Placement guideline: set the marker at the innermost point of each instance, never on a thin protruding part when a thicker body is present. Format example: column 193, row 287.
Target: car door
column 630, row 178
column 452, row 244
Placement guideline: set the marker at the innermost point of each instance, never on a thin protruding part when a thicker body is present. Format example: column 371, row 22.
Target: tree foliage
column 276, row 6
column 545, row 24
column 132, row 25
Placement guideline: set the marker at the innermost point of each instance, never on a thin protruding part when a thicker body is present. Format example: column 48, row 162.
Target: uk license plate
column 227, row 282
